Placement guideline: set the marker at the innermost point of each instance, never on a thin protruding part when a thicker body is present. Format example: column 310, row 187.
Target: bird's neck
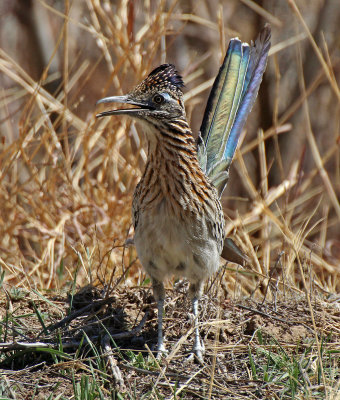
column 171, row 148
column 172, row 172
column 173, row 139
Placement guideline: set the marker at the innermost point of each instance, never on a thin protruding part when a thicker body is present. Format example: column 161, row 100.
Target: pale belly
column 172, row 246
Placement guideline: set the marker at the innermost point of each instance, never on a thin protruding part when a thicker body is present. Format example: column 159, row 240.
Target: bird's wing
column 231, row 99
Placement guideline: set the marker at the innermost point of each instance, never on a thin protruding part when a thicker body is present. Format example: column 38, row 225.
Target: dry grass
column 253, row 351
column 66, row 179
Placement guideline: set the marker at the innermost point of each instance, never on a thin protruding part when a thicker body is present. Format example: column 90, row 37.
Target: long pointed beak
column 121, row 100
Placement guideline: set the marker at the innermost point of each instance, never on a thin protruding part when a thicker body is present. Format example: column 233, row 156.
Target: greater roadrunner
column 176, row 211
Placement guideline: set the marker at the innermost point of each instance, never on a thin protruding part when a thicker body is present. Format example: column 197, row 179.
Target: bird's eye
column 158, row 99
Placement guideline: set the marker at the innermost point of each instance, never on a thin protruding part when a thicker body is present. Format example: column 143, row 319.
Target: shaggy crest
column 164, row 77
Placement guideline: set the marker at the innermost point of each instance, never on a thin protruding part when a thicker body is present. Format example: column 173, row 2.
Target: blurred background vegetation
column 67, row 179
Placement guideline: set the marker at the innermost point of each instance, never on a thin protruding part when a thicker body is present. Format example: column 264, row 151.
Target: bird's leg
column 198, row 347
column 160, row 342
column 159, row 293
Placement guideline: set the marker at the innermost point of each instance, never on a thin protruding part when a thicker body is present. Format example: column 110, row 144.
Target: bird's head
column 157, row 98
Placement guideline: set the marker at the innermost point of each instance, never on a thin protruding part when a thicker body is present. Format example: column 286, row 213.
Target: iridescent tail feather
column 230, row 102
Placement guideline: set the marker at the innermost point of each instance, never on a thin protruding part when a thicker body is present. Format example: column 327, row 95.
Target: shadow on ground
column 51, row 342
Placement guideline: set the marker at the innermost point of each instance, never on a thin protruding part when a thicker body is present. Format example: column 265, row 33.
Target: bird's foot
column 196, row 353
column 161, row 351
column 198, row 350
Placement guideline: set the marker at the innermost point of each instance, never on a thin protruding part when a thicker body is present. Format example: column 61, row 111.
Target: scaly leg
column 160, row 342
column 198, row 347
column 159, row 293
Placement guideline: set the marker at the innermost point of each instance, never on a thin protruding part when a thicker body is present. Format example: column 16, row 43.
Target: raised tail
column 231, row 100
